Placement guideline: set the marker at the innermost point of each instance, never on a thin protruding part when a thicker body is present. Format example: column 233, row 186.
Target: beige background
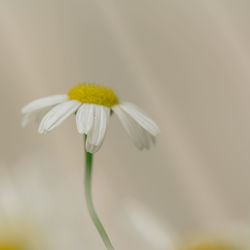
column 186, row 63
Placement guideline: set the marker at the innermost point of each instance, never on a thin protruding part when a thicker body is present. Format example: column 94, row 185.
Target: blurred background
column 186, row 63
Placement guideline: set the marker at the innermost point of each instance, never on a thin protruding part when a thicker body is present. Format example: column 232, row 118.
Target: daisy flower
column 93, row 106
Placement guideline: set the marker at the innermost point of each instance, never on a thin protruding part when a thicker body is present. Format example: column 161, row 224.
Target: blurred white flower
column 92, row 105
column 37, row 208
column 19, row 229
column 160, row 236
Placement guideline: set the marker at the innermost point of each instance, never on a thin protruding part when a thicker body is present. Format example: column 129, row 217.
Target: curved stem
column 90, row 205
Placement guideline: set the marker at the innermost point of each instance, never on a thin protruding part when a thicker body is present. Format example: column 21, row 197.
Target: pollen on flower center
column 87, row 93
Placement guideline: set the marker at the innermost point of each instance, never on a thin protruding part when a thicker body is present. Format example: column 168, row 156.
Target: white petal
column 138, row 115
column 34, row 116
column 137, row 133
column 85, row 118
column 98, row 131
column 44, row 102
column 57, row 115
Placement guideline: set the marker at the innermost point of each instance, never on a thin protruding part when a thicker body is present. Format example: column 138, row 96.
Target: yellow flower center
column 11, row 247
column 87, row 93
column 211, row 246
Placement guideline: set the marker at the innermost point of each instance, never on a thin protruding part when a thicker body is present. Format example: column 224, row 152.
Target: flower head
column 92, row 105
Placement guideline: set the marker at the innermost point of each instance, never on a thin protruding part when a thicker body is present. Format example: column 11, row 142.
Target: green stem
column 90, row 205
